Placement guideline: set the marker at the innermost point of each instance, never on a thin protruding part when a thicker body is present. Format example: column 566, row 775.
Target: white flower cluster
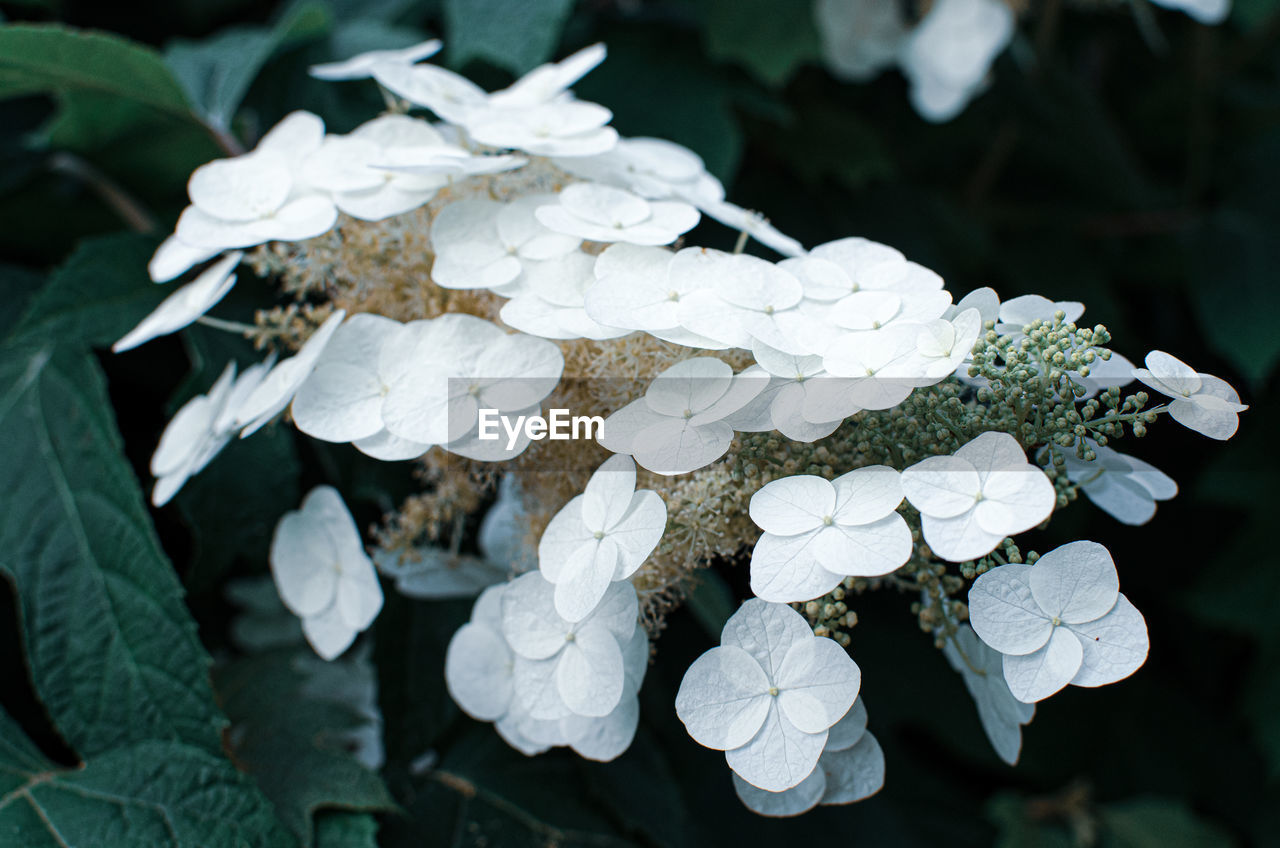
column 947, row 55
column 556, row 656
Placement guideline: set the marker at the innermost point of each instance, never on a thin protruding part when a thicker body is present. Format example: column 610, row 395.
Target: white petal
column 608, row 494
column 789, row 802
column 387, row 447
column 1015, row 500
column 818, row 682
column 582, row 582
column 779, row 756
column 589, row 674
column 1038, row 675
column 618, row 612
column 853, row 774
column 606, row 738
column 1004, row 612
column 846, row 732
column 959, row 538
column 689, row 386
column 328, row 634
column 1216, row 423
column 535, row 690
column 765, row 631
column 477, row 671
column 793, row 505
column 566, row 533
column 185, row 305
column 638, row 532
column 675, row 447
column 723, row 698
column 785, row 569
column 304, row 564
column 622, row 428
column 1076, row 582
column 866, row 550
column 867, row 494
column 530, row 623
column 941, row 486
column 1115, row 646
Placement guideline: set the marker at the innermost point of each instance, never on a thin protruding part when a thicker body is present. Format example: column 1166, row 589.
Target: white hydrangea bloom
column 440, row 373
column 485, row 244
column 323, row 574
column 277, row 389
column 1001, row 714
column 362, row 66
column 551, row 302
column 817, row 532
column 185, row 305
column 943, row 344
column 200, row 429
column 1204, row 11
column 768, row 695
column 1201, row 402
column 678, row 426
column 260, row 196
column 947, row 56
column 1062, row 620
column 882, row 367
column 175, row 257
column 653, row 168
column 860, row 38
column 850, row 769
column 350, row 167
column 451, row 96
column 1017, row 313
column 600, row 536
column 781, row 405
column 601, row 213
column 736, row 299
column 635, row 290
column 973, row 499
column 557, row 128
column 341, row 399
column 549, row 82
column 576, row 664
column 1124, row 486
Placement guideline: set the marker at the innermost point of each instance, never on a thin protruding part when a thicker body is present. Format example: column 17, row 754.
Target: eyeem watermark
column 560, row 425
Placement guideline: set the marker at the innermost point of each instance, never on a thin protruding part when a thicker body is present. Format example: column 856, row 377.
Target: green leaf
column 770, row 38
column 1158, row 823
column 293, row 744
column 216, row 72
column 97, row 296
column 49, row 58
column 340, row 829
column 513, row 34
column 17, row 286
column 158, row 793
column 112, row 649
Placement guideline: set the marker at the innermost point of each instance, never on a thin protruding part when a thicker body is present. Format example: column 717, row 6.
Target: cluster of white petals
column 545, row 681
column 1124, row 486
column 323, row 574
column 678, row 426
column 971, row 500
column 769, row 696
column 1062, row 620
column 818, row 532
column 583, row 239
column 599, row 537
column 947, row 54
column 1001, row 714
column 1201, row 402
column 851, row 768
column 200, row 429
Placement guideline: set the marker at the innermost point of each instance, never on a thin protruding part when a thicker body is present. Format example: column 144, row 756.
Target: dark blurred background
column 1139, row 175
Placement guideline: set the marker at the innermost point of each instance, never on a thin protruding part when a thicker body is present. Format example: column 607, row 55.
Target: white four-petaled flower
column 817, row 532
column 768, row 695
column 1062, row 620
column 600, row 536
column 1001, row 714
column 323, row 574
column 973, row 499
column 1201, row 402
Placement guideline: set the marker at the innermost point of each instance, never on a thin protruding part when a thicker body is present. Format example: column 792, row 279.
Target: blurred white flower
column 323, row 574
